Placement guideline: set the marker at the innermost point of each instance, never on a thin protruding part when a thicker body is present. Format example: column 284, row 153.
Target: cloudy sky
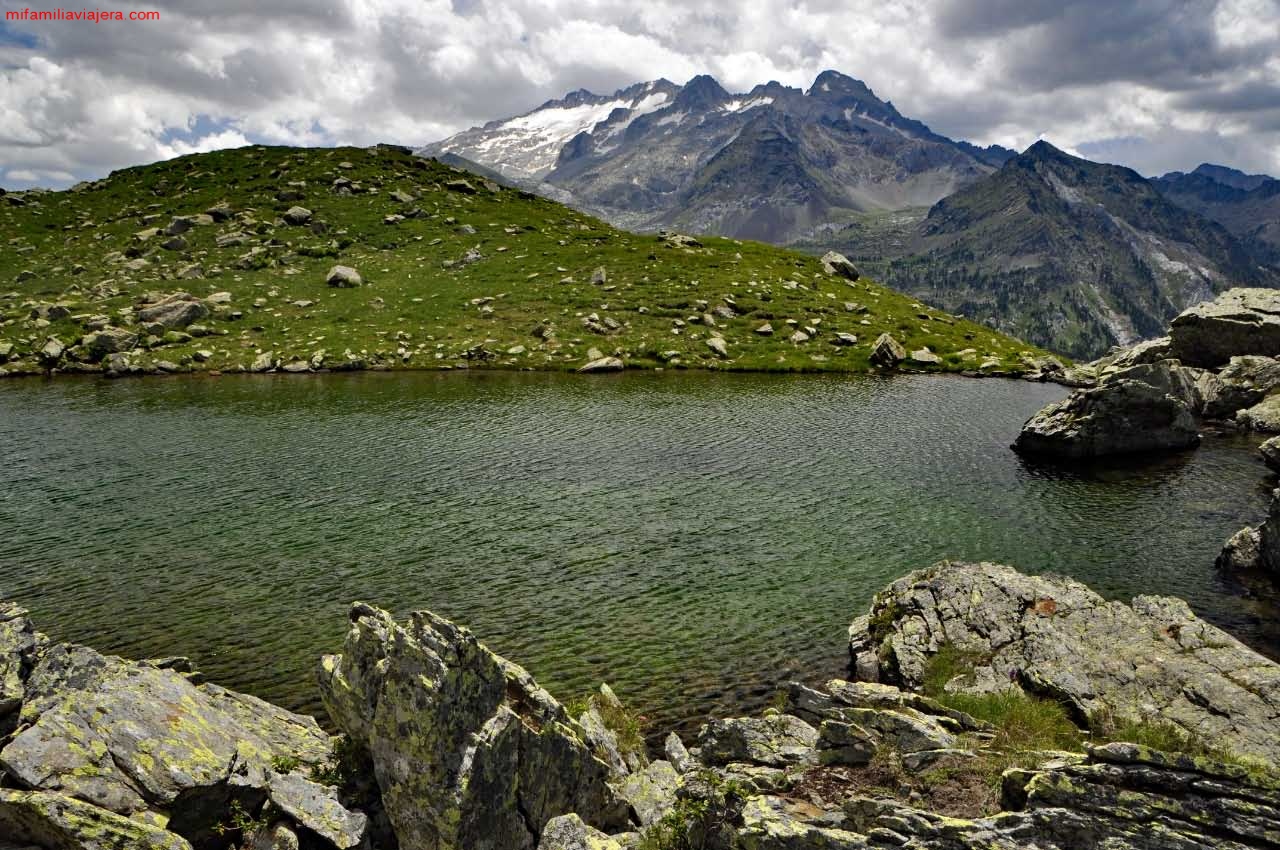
column 1154, row 84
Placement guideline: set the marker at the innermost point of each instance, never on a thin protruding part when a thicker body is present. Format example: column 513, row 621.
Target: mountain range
column 1070, row 254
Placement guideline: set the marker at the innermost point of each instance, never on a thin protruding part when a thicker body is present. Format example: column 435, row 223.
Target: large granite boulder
column 1188, row 385
column 1153, row 659
column 467, row 749
column 1121, row 416
column 1239, row 321
column 887, row 351
column 778, row 740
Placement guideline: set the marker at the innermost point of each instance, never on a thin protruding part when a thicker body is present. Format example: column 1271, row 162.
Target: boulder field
column 444, row 745
column 1218, row 364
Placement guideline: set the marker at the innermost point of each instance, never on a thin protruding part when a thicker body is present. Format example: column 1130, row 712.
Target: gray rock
column 18, row 644
column 317, row 808
column 838, row 264
column 56, row 822
column 1186, row 384
column 297, row 215
column 677, row 755
column 718, row 346
column 569, row 832
column 51, row 352
column 842, row 338
column 343, row 277
column 130, row 737
column 1239, row 321
column 1055, row 637
column 600, row 276
column 174, row 311
column 1255, row 548
column 1147, row 351
column 776, row 823
column 1120, row 417
column 264, row 362
column 765, row 330
column 603, row 364
column 651, row 792
column 776, row 741
column 925, row 357
column 1242, row 383
column 1263, row 416
column 109, row 341
column 467, row 750
column 887, row 351
column 845, row 743
column 1270, row 451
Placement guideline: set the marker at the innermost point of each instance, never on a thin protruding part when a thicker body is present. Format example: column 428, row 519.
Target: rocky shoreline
column 444, row 744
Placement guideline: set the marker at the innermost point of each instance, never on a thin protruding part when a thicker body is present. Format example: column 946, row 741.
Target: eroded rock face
column 1056, row 637
column 467, row 750
column 1119, row 417
column 1239, row 321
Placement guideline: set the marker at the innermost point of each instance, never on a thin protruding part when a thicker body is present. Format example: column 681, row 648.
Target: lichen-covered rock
column 651, row 791
column 318, row 808
column 602, row 740
column 18, row 644
column 1153, row 659
column 677, row 754
column 569, row 832
column 131, row 737
column 57, row 822
column 1119, row 417
column 778, row 740
column 1239, row 321
column 467, row 749
column 775, row 823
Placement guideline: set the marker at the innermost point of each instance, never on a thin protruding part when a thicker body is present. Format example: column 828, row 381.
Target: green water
column 694, row 539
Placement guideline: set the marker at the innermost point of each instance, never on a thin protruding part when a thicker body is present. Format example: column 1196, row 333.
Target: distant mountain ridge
column 1068, row 253
column 1247, row 205
column 770, row 164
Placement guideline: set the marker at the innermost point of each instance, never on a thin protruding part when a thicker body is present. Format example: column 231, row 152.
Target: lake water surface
column 694, row 539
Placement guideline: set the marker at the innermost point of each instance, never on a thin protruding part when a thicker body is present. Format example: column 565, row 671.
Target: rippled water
column 692, row 538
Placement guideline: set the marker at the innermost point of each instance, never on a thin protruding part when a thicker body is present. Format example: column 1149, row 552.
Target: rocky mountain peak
column 701, row 92
column 835, row 84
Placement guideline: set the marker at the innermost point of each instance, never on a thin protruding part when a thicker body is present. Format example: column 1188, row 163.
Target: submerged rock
column 1152, row 660
column 467, row 750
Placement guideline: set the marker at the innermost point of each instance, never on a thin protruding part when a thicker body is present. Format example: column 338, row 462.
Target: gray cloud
column 1154, row 84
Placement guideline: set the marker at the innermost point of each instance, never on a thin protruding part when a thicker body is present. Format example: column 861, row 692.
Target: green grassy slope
column 528, row 301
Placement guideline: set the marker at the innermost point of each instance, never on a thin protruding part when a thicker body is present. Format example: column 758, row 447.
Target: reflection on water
column 692, row 538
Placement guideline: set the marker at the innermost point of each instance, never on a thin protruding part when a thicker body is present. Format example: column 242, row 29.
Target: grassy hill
column 457, row 272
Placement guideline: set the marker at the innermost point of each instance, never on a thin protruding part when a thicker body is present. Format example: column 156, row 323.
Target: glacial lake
column 694, row 539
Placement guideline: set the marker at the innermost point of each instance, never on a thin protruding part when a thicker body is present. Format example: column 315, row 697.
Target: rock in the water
column 1270, row 451
column 56, row 822
column 467, row 750
column 1056, row 637
column 1121, row 417
column 174, row 311
column 603, row 364
column 1239, row 321
column 343, row 277
column 838, row 264
column 568, row 832
column 1255, row 548
column 1263, row 416
column 887, row 351
column 776, row 741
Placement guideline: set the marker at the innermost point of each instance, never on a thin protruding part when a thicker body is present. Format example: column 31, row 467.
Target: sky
column 1157, row 85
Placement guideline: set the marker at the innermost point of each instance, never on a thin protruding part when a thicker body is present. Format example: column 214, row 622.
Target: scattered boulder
column 343, row 277
column 925, row 357
column 838, row 264
column 651, row 792
column 765, row 330
column 51, row 352
column 58, row 822
column 842, row 338
column 1263, row 416
column 109, row 341
column 718, row 346
column 887, row 352
column 264, row 362
column 603, row 364
column 569, row 832
column 297, row 215
column 600, row 276
column 1153, row 659
column 174, row 311
column 467, row 750
column 1124, row 416
column 1237, row 322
